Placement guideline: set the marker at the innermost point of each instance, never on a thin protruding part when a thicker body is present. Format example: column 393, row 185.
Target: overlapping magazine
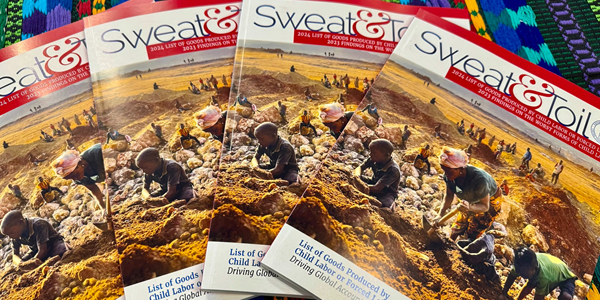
column 478, row 182
column 53, row 226
column 161, row 75
column 459, row 171
column 301, row 69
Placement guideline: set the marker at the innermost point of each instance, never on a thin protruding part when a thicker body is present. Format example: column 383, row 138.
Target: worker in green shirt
column 544, row 273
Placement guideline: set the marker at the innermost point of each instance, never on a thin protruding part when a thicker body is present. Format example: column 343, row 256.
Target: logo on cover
column 531, row 92
column 370, row 25
column 221, row 21
column 62, row 57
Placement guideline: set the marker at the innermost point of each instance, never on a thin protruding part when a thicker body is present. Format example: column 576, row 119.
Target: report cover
column 161, row 76
column 479, row 183
column 301, row 69
column 55, row 242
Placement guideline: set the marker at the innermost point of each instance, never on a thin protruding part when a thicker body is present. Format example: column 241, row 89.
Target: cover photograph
column 56, row 241
column 301, row 68
column 161, row 77
column 479, row 182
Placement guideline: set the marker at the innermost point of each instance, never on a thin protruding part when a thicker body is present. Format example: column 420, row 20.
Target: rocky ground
column 392, row 245
column 155, row 238
column 250, row 205
column 90, row 270
column 337, row 211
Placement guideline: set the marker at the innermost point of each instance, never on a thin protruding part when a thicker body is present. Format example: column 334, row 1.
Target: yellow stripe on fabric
column 98, row 6
column 477, row 19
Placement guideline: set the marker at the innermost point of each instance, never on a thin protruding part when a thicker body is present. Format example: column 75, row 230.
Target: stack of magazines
column 331, row 149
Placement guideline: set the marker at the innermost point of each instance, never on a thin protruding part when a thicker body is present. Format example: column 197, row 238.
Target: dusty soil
column 155, row 239
column 251, row 207
column 90, row 270
column 393, row 246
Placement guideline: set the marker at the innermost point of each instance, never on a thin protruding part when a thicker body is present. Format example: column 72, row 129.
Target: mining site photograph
column 288, row 105
column 545, row 200
column 44, row 141
column 161, row 147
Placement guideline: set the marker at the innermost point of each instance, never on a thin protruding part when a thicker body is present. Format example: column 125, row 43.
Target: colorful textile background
column 22, row 19
column 559, row 35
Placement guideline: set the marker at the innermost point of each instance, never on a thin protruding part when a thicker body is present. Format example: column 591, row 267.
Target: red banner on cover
column 343, row 41
column 533, row 117
column 191, row 45
column 43, row 88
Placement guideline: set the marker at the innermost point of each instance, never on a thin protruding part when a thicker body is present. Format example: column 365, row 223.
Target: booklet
column 482, row 163
column 55, row 240
column 161, row 77
column 301, row 69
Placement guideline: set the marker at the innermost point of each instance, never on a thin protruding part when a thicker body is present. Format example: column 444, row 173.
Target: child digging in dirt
column 481, row 199
column 423, row 155
column 333, row 116
column 282, row 164
column 180, row 107
column 184, row 134
column 211, row 120
column 85, row 169
column 16, row 191
column 158, row 132
column 242, row 101
column 305, row 122
column 174, row 183
column 282, row 111
column 46, row 188
column 386, row 173
column 36, row 233
column 308, row 95
column 116, row 136
column 544, row 273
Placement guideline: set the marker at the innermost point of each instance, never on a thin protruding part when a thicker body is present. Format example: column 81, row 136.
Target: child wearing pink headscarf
column 212, row 120
column 333, row 116
column 480, row 195
column 85, row 169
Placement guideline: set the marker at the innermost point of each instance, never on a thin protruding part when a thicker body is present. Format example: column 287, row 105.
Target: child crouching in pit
column 386, row 173
column 36, row 233
column 174, row 183
column 544, row 273
column 281, row 153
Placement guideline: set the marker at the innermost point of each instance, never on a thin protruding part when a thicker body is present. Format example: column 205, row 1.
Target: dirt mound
column 161, row 95
column 265, row 84
column 563, row 228
column 401, row 105
column 120, row 115
column 82, row 134
column 354, row 97
column 13, row 152
column 331, row 212
column 223, row 95
column 484, row 153
column 84, row 274
column 261, row 204
column 233, row 225
column 162, row 239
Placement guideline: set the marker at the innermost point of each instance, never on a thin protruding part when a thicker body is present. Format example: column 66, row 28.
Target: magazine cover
column 301, row 69
column 479, row 182
column 161, row 77
column 55, row 237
